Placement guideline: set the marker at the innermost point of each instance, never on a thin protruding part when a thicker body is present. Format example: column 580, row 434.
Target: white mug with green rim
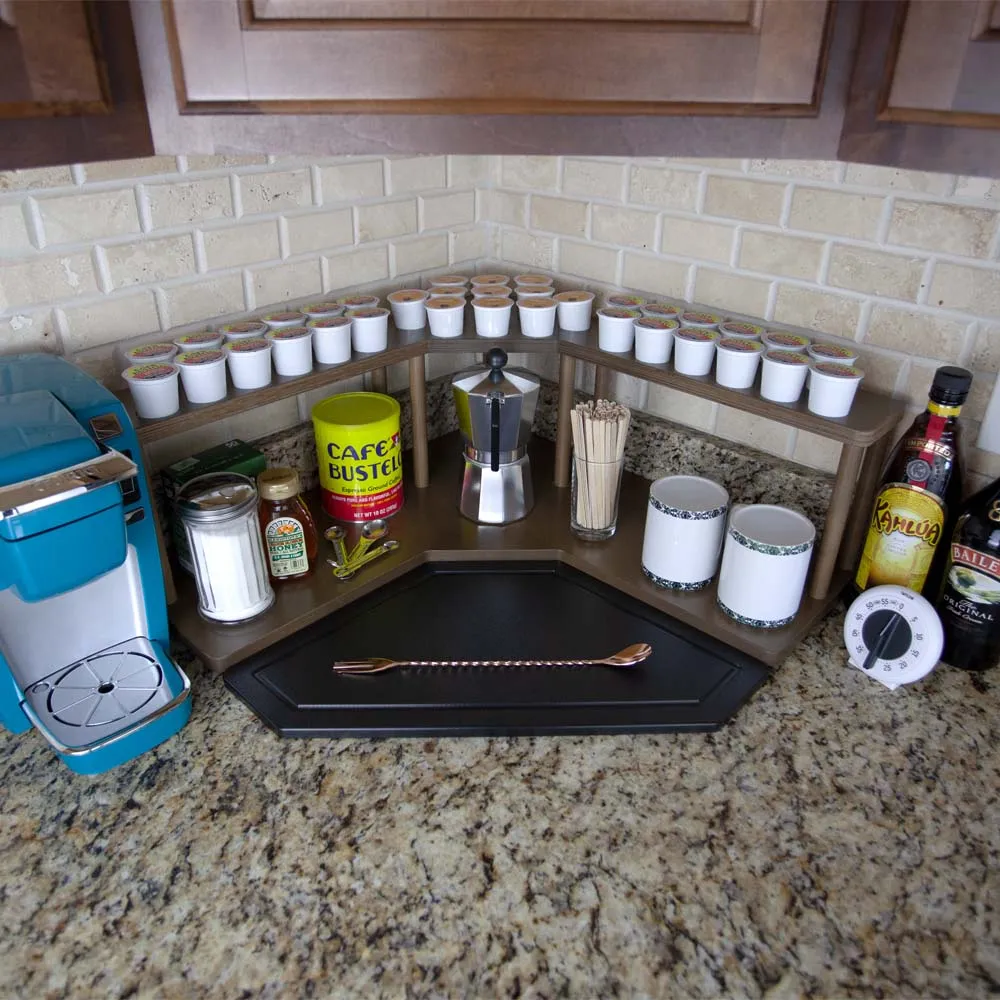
column 764, row 564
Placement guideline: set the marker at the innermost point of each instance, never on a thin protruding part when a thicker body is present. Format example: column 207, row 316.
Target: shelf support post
column 861, row 509
column 380, row 379
column 602, row 382
column 418, row 408
column 836, row 517
column 567, row 378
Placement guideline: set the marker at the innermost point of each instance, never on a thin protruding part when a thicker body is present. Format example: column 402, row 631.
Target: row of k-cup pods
column 737, row 348
column 765, row 549
column 493, row 300
column 288, row 340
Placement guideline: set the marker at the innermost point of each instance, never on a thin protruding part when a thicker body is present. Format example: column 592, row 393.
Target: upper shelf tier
column 871, row 417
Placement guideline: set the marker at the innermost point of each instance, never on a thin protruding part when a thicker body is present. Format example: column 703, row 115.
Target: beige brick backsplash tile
column 45, row 278
column 30, row 330
column 671, row 404
column 351, row 181
column 536, row 173
column 710, row 162
column 198, row 301
column 235, row 246
column 663, row 187
column 469, row 171
column 559, row 215
column 758, row 432
column 893, row 179
column 596, row 178
column 468, row 245
column 506, row 207
column 913, row 332
column 881, row 370
column 444, row 210
column 259, row 421
column 224, row 161
column 320, row 230
column 422, row 254
column 143, row 261
column 773, row 253
column 831, row 313
column 983, row 384
column 180, row 203
column 971, row 289
column 894, row 276
column 986, row 351
column 655, row 275
column 41, row 177
column 527, row 249
column 275, row 192
column 816, row 451
column 814, row 170
column 624, row 227
column 383, row 221
column 978, row 188
column 93, row 216
column 117, row 170
column 838, row 213
column 14, row 239
column 588, row 261
column 291, row 280
column 957, row 229
column 107, row 320
column 416, row 173
column 731, row 292
column 693, row 238
column 357, row 267
column 750, row 200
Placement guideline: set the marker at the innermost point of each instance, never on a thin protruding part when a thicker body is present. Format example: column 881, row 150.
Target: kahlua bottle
column 920, row 492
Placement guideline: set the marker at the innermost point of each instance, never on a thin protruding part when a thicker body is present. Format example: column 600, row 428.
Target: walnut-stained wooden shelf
column 430, row 527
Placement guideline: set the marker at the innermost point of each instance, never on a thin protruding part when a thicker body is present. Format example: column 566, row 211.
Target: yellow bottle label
column 903, row 535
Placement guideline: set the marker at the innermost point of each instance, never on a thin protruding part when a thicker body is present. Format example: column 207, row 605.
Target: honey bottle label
column 903, row 535
column 285, row 542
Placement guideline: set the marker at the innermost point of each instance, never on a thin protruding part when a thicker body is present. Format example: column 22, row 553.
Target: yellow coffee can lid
column 356, row 408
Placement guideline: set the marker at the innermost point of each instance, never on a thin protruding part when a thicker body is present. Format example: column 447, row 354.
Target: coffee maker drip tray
column 99, row 696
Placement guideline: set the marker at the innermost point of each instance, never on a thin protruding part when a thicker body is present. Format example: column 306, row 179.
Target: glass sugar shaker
column 218, row 512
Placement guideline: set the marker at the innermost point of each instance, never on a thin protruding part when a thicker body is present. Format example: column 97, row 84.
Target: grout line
column 786, row 205
column 77, row 173
column 885, row 221
column 864, row 318
column 182, row 164
column 236, row 195
column 968, row 344
column 249, row 294
column 826, row 254
column 162, row 308
column 33, row 223
column 284, row 240
column 926, row 278
column 102, row 270
column 689, row 282
column 736, row 247
column 200, row 253
column 772, row 300
column 699, row 199
column 143, row 208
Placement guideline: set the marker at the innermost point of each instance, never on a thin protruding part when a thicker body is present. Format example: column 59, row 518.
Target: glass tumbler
column 594, row 498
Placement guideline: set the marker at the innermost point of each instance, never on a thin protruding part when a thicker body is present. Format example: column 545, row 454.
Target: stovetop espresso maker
column 495, row 412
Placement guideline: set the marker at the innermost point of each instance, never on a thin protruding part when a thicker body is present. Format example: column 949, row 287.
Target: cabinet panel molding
column 773, row 65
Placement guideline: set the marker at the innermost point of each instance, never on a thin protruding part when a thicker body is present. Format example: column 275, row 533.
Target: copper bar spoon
column 627, row 657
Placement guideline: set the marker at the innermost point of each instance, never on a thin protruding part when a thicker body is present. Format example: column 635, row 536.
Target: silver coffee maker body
column 496, row 409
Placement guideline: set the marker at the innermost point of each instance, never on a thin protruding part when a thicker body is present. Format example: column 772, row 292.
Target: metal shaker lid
column 215, row 497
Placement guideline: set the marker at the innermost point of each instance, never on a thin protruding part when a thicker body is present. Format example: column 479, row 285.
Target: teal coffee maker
column 84, row 643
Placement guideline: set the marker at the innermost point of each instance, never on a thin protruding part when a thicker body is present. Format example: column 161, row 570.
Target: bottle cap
column 278, row 484
column 950, row 385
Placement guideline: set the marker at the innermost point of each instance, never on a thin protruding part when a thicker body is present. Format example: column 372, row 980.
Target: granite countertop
column 835, row 839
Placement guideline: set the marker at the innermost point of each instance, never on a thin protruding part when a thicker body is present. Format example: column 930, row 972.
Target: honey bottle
column 920, row 492
column 291, row 542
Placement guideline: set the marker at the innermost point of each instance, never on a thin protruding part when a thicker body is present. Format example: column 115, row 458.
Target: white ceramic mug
column 764, row 564
column 685, row 522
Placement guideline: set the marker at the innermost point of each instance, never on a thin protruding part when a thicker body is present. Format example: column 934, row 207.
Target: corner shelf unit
column 864, row 435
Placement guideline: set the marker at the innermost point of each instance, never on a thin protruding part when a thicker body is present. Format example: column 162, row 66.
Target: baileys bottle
column 920, row 492
column 969, row 604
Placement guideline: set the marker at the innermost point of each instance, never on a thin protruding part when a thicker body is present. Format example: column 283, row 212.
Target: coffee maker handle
column 495, row 434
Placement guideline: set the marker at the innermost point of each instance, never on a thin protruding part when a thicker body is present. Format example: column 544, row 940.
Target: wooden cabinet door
column 925, row 91
column 70, row 87
column 675, row 57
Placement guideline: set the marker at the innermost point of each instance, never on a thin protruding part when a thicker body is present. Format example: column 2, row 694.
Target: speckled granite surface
column 833, row 840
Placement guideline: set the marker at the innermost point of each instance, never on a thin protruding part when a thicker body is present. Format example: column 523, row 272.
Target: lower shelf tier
column 429, row 527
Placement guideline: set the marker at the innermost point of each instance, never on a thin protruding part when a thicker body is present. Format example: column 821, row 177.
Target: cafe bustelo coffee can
column 360, row 455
